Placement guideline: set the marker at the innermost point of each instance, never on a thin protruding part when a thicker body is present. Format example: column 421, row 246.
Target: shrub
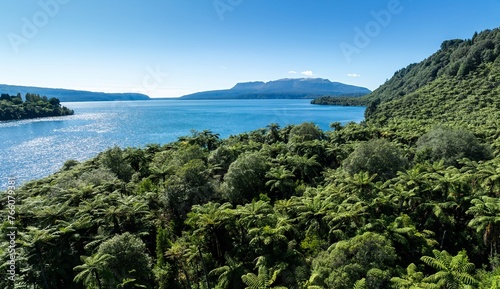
column 450, row 145
column 376, row 157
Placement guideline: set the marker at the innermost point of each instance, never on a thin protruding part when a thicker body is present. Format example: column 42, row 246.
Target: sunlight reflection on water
column 35, row 148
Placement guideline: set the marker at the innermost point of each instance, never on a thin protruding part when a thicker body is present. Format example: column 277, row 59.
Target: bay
column 35, row 148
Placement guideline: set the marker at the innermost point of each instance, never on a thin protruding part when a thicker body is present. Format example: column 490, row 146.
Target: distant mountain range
column 283, row 88
column 67, row 95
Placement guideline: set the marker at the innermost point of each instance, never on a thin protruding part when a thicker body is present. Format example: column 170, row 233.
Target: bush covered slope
column 407, row 199
column 460, row 79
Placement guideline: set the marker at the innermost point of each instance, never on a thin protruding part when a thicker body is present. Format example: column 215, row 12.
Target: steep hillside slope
column 457, row 86
column 456, row 59
column 462, row 76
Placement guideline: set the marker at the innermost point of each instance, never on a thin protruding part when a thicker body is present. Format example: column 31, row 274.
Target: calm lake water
column 31, row 149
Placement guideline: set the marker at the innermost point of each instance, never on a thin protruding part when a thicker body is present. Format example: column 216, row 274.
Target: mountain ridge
column 282, row 88
column 70, row 95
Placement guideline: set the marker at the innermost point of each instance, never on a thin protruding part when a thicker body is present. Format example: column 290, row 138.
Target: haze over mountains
column 283, row 88
column 68, row 95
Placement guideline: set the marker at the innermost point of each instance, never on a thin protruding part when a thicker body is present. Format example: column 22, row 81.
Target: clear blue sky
column 168, row 48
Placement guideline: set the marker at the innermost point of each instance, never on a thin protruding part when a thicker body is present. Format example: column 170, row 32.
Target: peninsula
column 34, row 106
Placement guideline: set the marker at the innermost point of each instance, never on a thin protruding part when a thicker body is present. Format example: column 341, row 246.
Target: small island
column 34, row 106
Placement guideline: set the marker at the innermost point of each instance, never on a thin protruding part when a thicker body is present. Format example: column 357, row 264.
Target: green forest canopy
column 380, row 204
column 14, row 108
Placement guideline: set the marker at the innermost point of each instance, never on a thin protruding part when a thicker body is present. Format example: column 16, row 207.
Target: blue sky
column 168, row 48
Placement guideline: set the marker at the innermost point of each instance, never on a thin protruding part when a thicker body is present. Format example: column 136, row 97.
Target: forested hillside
column 463, row 76
column 408, row 198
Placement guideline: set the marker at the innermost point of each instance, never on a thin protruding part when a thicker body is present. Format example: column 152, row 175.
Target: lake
column 35, row 148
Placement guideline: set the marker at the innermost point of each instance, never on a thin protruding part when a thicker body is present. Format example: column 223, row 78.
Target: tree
column 486, row 212
column 114, row 159
column 17, row 99
column 305, row 168
column 280, row 181
column 450, row 145
column 271, row 240
column 137, row 159
column 220, row 159
column 187, row 187
column 38, row 240
column 208, row 223
column 489, row 175
column 452, row 271
column 129, row 261
column 264, row 280
column 229, row 275
column 312, row 213
column 376, row 156
column 272, row 134
column 161, row 165
column 177, row 253
column 35, row 106
column 163, row 270
column 369, row 256
column 55, row 102
column 307, row 131
column 245, row 178
column 205, row 139
column 361, row 184
column 413, row 279
column 92, row 269
column 256, row 213
column 360, row 284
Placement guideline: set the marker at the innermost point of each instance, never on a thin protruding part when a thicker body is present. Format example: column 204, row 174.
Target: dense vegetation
column 410, row 201
column 14, row 108
column 462, row 78
column 341, row 100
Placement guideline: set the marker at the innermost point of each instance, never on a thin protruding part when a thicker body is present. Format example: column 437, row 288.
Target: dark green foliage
column 220, row 159
column 304, row 132
column 455, row 58
column 452, row 271
column 205, row 139
column 129, row 263
column 376, row 157
column 338, row 100
column 368, row 256
column 245, row 178
column 274, row 208
column 114, row 160
column 450, row 146
column 462, row 77
column 69, row 164
column 13, row 107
